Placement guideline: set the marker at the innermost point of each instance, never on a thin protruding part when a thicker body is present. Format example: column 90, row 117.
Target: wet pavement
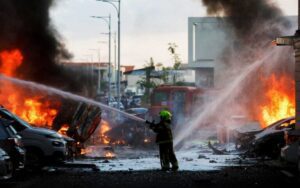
column 199, row 167
column 252, row 176
column 193, row 158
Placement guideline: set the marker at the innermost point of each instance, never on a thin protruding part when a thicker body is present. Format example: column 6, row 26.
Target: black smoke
column 250, row 18
column 252, row 25
column 26, row 25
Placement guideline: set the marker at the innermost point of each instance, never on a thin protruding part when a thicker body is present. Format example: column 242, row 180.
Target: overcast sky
column 147, row 26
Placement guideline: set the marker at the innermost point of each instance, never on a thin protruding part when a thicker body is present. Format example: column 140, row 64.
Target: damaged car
column 290, row 153
column 269, row 141
column 78, row 122
column 243, row 140
column 131, row 132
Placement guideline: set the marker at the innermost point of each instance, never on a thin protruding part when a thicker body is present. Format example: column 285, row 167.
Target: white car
column 42, row 145
column 115, row 105
column 6, row 165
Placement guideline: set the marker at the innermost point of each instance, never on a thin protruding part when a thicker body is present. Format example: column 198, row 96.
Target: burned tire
column 34, row 159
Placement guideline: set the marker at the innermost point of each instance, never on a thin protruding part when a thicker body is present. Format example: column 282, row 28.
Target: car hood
column 40, row 131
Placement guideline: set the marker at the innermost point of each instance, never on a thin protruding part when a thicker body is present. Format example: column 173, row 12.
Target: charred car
column 77, row 121
column 269, row 141
column 132, row 132
column 243, row 140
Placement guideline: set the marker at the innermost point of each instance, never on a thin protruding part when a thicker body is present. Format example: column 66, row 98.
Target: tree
column 177, row 62
column 146, row 81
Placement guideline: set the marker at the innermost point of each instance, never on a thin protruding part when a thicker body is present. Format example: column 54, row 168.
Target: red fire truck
column 180, row 100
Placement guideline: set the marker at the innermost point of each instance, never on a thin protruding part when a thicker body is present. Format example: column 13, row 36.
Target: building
column 96, row 75
column 206, row 41
column 133, row 76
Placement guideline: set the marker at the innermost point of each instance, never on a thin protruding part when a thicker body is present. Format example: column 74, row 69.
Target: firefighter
column 164, row 139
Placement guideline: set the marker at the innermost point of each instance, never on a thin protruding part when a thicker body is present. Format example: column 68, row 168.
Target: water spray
column 65, row 94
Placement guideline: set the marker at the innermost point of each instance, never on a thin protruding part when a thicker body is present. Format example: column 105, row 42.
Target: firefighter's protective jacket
column 163, row 130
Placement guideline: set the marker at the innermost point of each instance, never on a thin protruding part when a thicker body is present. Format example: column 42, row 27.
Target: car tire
column 10, row 170
column 34, row 159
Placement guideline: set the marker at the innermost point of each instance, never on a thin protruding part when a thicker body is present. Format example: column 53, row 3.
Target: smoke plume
column 26, row 25
column 253, row 24
column 248, row 60
column 247, row 16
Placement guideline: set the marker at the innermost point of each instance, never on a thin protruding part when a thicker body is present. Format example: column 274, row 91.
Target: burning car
column 131, row 132
column 244, row 139
column 78, row 122
column 269, row 141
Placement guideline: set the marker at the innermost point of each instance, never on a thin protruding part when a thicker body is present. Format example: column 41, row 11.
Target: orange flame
column 104, row 127
column 63, row 130
column 85, row 151
column 280, row 101
column 10, row 61
column 110, row 155
column 35, row 110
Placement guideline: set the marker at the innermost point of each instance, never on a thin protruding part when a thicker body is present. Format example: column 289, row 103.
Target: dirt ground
column 254, row 176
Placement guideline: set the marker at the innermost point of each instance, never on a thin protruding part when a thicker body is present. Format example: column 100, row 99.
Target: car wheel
column 9, row 170
column 34, row 159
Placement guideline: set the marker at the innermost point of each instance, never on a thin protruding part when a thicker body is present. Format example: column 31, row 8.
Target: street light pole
column 115, row 61
column 119, row 54
column 118, row 9
column 109, row 50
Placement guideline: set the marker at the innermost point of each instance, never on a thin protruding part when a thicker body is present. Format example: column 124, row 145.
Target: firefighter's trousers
column 167, row 156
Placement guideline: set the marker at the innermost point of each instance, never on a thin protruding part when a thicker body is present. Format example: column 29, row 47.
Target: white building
column 206, row 41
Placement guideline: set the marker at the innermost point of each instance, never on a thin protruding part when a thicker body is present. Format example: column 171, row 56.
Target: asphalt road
column 254, row 176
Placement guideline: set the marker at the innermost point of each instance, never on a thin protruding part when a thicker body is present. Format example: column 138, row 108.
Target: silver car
column 42, row 145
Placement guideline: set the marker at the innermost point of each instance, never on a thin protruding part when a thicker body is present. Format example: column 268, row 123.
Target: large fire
column 280, row 99
column 33, row 107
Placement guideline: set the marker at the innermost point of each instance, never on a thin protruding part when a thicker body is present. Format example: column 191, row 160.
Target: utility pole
column 107, row 19
column 118, row 9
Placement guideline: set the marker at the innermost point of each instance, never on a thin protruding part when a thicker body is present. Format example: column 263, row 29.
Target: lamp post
column 118, row 9
column 98, row 92
column 107, row 20
column 115, row 61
